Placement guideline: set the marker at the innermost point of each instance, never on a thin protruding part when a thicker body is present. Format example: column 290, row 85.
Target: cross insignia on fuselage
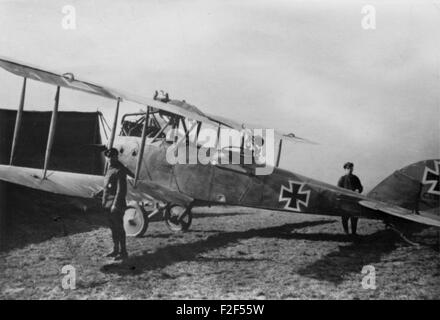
column 294, row 195
column 432, row 177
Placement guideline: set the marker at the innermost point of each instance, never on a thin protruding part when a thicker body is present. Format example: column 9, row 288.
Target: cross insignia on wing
column 294, row 195
column 432, row 177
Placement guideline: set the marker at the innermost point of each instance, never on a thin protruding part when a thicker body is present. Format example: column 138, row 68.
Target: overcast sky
column 367, row 96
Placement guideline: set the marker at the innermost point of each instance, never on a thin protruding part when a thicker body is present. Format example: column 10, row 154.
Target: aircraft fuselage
column 236, row 184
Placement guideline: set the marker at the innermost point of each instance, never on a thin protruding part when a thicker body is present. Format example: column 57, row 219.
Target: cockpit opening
column 171, row 128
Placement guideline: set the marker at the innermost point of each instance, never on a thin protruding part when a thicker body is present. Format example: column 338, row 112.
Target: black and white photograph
column 233, row 151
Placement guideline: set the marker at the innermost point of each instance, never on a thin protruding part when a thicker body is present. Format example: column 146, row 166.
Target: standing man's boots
column 115, row 251
column 122, row 256
column 122, row 242
column 124, row 253
column 354, row 223
column 345, row 224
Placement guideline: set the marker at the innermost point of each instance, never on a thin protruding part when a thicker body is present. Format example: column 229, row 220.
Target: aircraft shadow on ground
column 32, row 216
column 365, row 250
column 201, row 215
column 219, row 214
column 171, row 254
column 167, row 235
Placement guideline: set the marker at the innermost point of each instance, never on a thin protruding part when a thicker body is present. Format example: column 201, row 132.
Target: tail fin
column 415, row 187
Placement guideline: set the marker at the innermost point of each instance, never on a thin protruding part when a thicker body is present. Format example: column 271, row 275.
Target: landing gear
column 177, row 218
column 137, row 215
column 135, row 220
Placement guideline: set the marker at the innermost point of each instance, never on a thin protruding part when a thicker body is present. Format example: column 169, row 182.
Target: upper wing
column 67, row 80
column 84, row 185
column 239, row 126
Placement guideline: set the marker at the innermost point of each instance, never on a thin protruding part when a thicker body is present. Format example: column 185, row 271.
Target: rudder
column 415, row 187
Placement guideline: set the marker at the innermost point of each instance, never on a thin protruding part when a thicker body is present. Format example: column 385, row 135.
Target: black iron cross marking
column 294, row 195
column 432, row 177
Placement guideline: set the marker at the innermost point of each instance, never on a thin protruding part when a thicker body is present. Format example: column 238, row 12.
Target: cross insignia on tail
column 432, row 177
column 295, row 196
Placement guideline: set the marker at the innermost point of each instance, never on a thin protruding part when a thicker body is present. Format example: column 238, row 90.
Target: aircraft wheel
column 135, row 220
column 178, row 218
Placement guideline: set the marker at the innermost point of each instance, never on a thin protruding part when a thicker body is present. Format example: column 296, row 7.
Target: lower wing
column 85, row 185
column 59, row 182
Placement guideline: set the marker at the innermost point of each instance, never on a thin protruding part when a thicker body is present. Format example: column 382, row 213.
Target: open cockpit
column 220, row 142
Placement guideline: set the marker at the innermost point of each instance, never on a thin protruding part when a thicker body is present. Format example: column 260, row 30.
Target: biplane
column 410, row 194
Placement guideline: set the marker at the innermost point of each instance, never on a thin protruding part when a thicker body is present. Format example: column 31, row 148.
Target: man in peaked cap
column 114, row 203
column 351, row 182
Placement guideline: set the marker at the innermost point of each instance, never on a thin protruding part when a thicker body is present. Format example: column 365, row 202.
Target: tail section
column 415, row 187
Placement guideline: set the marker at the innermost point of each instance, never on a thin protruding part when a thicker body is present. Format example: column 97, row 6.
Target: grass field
column 227, row 254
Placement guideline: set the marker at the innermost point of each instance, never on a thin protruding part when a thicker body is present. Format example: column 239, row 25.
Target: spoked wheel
column 178, row 218
column 135, row 223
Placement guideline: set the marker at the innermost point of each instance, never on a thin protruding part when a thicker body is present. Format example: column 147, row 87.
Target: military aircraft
column 410, row 194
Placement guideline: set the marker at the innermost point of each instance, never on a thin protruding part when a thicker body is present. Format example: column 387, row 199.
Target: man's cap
column 348, row 165
column 111, row 152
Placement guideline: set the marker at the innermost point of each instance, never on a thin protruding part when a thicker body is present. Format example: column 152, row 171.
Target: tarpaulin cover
column 74, row 148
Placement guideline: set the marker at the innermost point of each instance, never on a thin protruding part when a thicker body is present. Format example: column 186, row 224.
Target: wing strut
column 280, row 144
column 217, row 142
column 141, row 151
column 115, row 123
column 113, row 132
column 160, row 132
column 18, row 121
column 53, row 123
column 186, row 136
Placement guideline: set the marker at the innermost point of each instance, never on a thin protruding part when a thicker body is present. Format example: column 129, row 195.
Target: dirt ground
column 227, row 254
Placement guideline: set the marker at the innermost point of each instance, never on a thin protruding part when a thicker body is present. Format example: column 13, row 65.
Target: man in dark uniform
column 113, row 202
column 351, row 182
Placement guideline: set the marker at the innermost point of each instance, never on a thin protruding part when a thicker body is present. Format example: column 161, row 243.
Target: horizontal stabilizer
column 401, row 212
